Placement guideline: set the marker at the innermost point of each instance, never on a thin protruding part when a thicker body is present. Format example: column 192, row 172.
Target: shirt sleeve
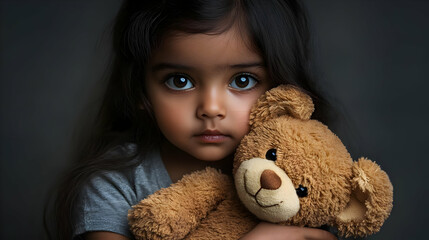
column 103, row 205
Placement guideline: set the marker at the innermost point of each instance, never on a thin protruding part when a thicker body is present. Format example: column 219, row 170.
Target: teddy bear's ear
column 370, row 203
column 282, row 100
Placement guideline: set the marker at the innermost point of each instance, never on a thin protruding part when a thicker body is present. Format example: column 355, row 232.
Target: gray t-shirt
column 105, row 200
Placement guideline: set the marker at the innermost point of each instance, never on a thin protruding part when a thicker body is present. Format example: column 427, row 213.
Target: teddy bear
column 289, row 170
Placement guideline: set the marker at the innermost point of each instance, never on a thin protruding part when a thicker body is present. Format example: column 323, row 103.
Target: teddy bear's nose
column 270, row 180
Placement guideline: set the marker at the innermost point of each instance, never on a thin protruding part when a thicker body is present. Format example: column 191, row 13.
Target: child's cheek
column 239, row 109
column 173, row 115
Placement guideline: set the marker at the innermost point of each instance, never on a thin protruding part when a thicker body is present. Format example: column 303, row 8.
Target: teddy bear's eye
column 301, row 191
column 271, row 154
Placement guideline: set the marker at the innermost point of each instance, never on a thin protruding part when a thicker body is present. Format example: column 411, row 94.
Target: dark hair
column 277, row 30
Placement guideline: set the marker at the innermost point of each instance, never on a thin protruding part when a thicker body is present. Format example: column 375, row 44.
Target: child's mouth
column 212, row 136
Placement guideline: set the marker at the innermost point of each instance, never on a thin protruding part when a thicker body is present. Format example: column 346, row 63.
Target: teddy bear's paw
column 147, row 222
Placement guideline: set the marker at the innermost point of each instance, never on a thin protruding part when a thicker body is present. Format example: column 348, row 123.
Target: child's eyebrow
column 247, row 65
column 163, row 66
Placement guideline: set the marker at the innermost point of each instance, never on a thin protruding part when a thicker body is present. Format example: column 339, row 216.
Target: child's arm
column 272, row 231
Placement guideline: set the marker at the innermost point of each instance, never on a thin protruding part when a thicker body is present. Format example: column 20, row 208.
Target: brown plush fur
column 355, row 197
column 202, row 205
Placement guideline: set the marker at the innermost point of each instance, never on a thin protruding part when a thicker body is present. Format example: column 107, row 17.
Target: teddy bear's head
column 290, row 169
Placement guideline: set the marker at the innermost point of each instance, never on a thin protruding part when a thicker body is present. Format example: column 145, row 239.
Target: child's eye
column 179, row 82
column 243, row 82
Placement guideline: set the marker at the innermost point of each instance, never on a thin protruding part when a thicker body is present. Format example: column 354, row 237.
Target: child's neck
column 179, row 163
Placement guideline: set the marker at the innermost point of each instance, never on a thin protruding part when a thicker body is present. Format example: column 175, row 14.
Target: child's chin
column 212, row 158
column 211, row 155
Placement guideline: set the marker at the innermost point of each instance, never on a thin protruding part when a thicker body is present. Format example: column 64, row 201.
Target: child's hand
column 272, row 231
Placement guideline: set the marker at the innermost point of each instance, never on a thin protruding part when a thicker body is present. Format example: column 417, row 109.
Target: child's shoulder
column 146, row 173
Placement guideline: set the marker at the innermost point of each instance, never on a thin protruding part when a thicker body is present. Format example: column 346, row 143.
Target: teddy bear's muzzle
column 266, row 190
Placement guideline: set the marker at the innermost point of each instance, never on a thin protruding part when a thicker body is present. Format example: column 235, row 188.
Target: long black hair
column 277, row 29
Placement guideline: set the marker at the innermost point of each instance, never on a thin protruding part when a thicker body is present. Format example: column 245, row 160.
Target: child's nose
column 212, row 104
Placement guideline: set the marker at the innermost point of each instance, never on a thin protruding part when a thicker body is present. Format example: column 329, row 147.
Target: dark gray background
column 372, row 56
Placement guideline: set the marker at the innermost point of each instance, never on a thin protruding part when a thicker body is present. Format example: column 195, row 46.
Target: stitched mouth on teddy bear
column 255, row 197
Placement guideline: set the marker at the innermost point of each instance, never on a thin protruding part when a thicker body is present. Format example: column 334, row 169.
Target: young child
column 185, row 76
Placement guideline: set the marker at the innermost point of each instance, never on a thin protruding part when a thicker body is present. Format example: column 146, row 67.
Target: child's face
column 201, row 88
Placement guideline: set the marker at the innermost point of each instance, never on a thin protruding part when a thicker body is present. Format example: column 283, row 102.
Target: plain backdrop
column 372, row 61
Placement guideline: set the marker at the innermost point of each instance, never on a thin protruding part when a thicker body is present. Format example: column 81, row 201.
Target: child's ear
column 282, row 100
column 370, row 203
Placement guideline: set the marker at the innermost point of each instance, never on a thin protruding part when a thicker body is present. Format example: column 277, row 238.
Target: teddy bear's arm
column 171, row 213
column 230, row 221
